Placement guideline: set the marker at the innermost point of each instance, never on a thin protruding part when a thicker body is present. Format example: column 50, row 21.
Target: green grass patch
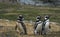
column 29, row 12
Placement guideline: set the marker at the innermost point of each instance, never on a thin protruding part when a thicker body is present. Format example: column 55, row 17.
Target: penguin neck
column 46, row 20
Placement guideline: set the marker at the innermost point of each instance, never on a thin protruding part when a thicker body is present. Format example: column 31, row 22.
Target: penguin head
column 20, row 15
column 37, row 20
column 46, row 17
column 39, row 17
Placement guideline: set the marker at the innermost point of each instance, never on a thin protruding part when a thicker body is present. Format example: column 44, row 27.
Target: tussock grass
column 8, row 30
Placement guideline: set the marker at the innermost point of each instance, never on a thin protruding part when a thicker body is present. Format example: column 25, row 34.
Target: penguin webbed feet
column 23, row 33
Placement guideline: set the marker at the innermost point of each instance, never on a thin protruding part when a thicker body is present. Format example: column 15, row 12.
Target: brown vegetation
column 7, row 28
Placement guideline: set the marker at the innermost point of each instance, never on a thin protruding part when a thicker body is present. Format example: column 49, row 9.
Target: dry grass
column 7, row 30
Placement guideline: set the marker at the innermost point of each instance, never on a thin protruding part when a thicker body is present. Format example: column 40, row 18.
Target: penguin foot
column 23, row 33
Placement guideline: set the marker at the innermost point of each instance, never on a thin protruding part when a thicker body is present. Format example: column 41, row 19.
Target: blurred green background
column 11, row 12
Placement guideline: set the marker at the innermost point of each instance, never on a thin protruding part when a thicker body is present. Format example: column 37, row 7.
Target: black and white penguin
column 45, row 25
column 20, row 25
column 38, row 25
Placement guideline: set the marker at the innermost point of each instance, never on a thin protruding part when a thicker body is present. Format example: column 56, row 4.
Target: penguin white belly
column 20, row 27
column 47, row 26
column 39, row 27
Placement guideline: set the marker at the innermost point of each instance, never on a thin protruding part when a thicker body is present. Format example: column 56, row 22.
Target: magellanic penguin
column 20, row 25
column 45, row 25
column 38, row 25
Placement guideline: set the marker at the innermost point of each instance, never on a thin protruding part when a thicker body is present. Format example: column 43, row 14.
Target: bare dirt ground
column 7, row 29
